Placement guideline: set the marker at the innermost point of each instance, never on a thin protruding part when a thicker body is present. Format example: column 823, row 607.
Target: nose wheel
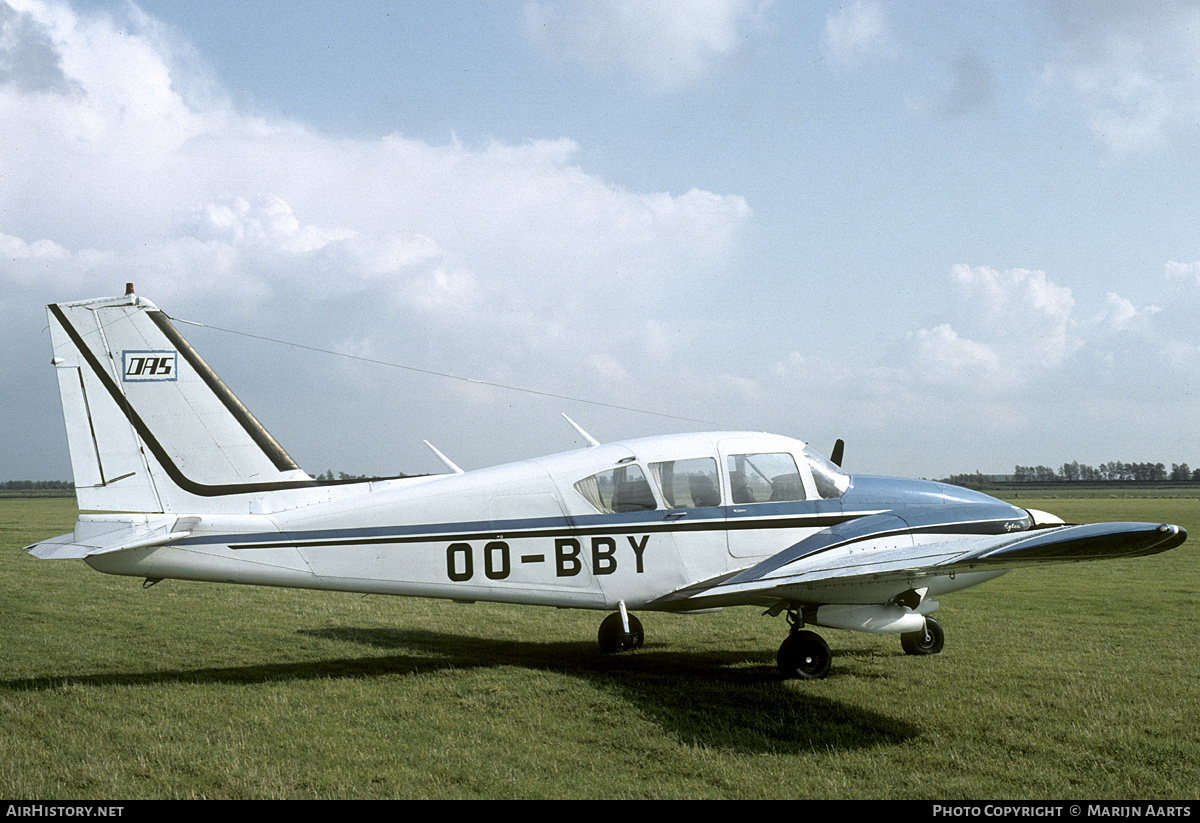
column 615, row 637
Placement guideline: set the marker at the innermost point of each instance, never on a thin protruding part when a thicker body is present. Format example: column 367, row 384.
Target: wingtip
column 1174, row 535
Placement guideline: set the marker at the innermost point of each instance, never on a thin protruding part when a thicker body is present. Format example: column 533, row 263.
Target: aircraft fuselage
column 524, row 533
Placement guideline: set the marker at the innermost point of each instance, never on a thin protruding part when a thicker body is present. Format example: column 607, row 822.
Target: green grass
column 1073, row 681
column 1107, row 489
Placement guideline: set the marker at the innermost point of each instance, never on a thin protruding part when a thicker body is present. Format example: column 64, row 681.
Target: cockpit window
column 687, row 484
column 831, row 481
column 622, row 489
column 762, row 478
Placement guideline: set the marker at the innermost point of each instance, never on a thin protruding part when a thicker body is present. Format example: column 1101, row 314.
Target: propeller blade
column 838, row 447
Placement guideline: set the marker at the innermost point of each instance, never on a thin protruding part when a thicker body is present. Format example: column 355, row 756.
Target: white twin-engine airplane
column 176, row 479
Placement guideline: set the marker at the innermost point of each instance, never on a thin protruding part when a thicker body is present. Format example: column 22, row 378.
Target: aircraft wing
column 873, row 550
column 99, row 534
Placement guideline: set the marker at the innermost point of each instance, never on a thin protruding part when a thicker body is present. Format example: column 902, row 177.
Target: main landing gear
column 805, row 655
column 927, row 641
column 621, row 632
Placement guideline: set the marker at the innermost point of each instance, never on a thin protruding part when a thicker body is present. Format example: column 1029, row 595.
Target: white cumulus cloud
column 669, row 43
column 1135, row 68
column 856, row 33
column 123, row 163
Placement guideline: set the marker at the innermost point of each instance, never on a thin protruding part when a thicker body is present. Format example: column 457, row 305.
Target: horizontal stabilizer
column 98, row 535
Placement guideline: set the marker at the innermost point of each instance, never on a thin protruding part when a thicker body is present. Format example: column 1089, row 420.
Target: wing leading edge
column 871, row 551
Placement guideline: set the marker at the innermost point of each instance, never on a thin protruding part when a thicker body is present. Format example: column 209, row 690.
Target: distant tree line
column 329, row 475
column 1076, row 472
column 1073, row 472
column 1116, row 471
column 340, row 476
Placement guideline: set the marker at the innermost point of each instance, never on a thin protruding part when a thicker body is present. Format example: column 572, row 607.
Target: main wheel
column 927, row 641
column 613, row 638
column 804, row 655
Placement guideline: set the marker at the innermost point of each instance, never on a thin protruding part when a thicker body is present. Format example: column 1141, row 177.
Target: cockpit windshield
column 830, row 480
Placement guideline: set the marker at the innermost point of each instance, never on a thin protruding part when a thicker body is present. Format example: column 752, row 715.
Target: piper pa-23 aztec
column 176, row 479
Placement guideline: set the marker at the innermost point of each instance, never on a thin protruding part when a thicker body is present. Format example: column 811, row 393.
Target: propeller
column 839, row 446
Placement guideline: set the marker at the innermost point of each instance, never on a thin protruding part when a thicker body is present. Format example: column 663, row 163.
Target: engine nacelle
column 874, row 619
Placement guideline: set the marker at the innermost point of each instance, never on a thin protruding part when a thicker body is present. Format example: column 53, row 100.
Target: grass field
column 1071, row 682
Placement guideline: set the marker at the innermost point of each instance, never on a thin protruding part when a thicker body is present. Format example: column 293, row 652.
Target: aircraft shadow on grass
column 711, row 700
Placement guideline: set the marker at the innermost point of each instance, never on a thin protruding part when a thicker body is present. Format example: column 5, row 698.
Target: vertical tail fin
column 149, row 425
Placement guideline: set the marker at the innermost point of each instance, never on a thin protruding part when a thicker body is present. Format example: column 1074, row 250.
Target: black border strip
column 270, row 446
column 296, row 540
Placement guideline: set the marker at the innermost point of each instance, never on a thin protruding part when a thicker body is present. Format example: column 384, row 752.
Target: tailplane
column 149, row 425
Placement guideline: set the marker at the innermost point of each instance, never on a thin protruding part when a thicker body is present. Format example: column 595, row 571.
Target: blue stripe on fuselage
column 763, row 516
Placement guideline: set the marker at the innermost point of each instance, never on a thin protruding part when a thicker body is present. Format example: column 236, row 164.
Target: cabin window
column 687, row 484
column 764, row 478
column 618, row 490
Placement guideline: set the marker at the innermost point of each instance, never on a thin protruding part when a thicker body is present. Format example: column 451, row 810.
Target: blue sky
column 961, row 236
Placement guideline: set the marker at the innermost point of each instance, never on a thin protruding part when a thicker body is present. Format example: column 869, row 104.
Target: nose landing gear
column 620, row 632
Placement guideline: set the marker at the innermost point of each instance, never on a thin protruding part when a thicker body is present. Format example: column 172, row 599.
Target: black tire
column 928, row 641
column 613, row 638
column 804, row 655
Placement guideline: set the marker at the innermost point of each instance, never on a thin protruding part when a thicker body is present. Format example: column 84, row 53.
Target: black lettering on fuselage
column 495, row 560
column 604, row 560
column 568, row 557
column 638, row 550
column 459, row 566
